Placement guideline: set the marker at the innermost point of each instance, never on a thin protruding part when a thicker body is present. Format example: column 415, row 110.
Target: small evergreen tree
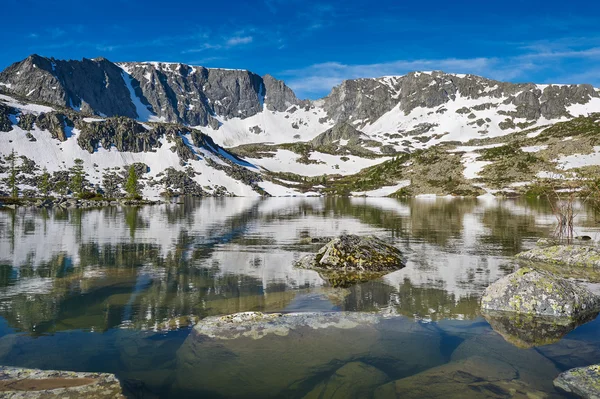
column 44, row 185
column 13, row 170
column 61, row 188
column 77, row 177
column 131, row 186
column 110, row 184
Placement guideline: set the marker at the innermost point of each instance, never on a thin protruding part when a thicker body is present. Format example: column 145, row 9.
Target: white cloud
column 237, row 40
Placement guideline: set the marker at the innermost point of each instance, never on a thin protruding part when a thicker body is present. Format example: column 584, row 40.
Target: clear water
column 115, row 290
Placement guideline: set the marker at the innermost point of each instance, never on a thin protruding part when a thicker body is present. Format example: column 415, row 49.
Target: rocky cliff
column 147, row 91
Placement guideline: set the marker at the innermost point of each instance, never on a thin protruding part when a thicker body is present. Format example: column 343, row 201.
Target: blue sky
column 314, row 45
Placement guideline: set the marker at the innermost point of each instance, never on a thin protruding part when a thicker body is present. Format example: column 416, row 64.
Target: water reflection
column 99, row 269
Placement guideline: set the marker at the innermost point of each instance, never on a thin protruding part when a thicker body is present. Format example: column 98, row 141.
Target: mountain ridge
column 298, row 147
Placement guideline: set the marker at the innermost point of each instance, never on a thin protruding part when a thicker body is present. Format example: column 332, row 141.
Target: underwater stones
column 524, row 331
column 473, row 377
column 17, row 383
column 538, row 293
column 583, row 381
column 275, row 355
column 353, row 380
column 533, row 368
column 570, row 255
column 257, row 325
column 351, row 254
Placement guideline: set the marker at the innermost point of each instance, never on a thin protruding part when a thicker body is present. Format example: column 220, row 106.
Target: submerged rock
column 473, row 377
column 278, row 355
column 525, row 331
column 349, row 259
column 570, row 255
column 583, row 381
column 353, row 380
column 257, row 325
column 538, row 293
column 49, row 384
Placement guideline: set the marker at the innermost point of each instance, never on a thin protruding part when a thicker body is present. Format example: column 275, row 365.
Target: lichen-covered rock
column 351, row 253
column 571, row 255
column 19, row 383
column 583, row 381
column 539, row 293
column 257, row 325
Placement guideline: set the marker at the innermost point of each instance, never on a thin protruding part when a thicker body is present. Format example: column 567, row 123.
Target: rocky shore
column 65, row 203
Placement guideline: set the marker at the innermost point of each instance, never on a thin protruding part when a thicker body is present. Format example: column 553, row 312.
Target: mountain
column 96, row 110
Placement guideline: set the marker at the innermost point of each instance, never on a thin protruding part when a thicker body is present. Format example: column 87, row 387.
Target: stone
column 583, row 382
column 354, row 254
column 19, row 383
column 473, row 377
column 350, row 259
column 570, row 255
column 274, row 354
column 538, row 293
column 533, row 369
column 353, row 380
column 288, row 355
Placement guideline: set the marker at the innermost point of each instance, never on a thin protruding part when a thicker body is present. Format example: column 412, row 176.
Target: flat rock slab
column 570, row 255
column 17, row 383
column 583, row 382
column 538, row 293
column 257, row 325
column 291, row 355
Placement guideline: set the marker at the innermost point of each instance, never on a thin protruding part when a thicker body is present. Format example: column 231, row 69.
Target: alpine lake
column 119, row 289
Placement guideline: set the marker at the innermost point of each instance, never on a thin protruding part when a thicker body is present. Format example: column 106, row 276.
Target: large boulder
column 349, row 259
column 583, row 382
column 539, row 293
column 17, row 383
column 291, row 355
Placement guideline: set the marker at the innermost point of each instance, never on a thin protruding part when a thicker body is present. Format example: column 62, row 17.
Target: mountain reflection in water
column 97, row 290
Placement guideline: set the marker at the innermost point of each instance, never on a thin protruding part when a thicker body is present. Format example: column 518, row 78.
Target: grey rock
column 20, row 383
column 571, row 255
column 176, row 92
column 350, row 259
column 351, row 253
column 539, row 293
column 583, row 382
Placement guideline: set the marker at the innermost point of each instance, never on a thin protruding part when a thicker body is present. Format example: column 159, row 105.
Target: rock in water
column 538, row 293
column 570, row 255
column 50, row 384
column 583, row 381
column 353, row 380
column 475, row 377
column 350, row 259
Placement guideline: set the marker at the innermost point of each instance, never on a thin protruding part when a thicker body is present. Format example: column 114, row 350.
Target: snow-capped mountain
column 360, row 124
